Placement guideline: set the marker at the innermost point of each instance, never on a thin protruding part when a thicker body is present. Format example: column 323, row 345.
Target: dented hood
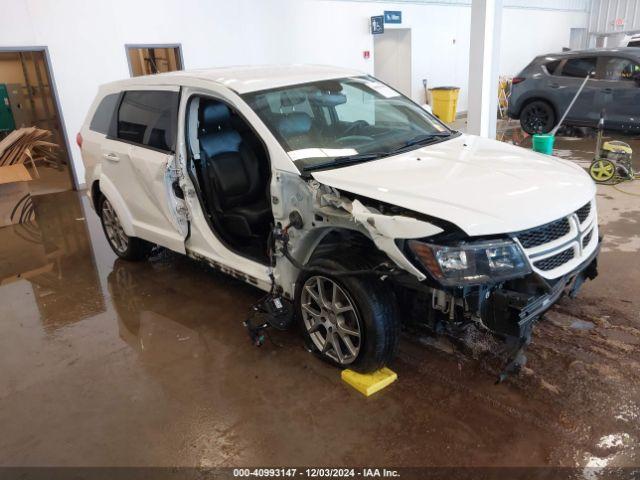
column 483, row 186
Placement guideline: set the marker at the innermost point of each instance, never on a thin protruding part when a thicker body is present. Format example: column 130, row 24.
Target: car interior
column 309, row 116
column 232, row 173
column 315, row 122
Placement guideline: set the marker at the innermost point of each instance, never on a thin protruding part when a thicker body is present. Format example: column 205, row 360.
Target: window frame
column 113, row 128
column 560, row 68
column 601, row 65
column 115, row 107
column 559, row 64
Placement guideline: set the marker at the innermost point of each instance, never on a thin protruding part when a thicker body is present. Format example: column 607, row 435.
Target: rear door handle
column 113, row 157
column 607, row 90
column 554, row 85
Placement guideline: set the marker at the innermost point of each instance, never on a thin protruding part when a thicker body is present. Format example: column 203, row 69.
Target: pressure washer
column 613, row 159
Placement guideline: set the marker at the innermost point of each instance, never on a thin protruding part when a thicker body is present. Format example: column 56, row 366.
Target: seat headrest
column 328, row 99
column 215, row 115
column 296, row 123
column 291, row 99
column 215, row 143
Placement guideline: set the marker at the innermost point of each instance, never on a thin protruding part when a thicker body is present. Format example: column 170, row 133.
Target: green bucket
column 543, row 144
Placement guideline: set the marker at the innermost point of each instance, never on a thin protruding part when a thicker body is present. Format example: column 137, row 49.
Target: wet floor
column 105, row 362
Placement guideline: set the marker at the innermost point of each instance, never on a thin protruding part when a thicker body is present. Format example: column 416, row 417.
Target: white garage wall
column 527, row 33
column 86, row 39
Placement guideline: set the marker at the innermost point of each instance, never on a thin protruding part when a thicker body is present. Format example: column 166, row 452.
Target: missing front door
column 150, row 59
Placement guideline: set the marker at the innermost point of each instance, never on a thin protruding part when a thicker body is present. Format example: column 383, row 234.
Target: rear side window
column 552, row 66
column 616, row 68
column 104, row 113
column 149, row 118
column 579, row 67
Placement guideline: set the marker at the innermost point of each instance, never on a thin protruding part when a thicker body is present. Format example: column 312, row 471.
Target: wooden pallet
column 27, row 145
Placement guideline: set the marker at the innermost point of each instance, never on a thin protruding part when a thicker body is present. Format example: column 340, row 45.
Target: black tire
column 537, row 117
column 135, row 249
column 374, row 303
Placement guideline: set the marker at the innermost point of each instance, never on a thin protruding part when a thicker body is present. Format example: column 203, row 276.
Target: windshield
column 331, row 123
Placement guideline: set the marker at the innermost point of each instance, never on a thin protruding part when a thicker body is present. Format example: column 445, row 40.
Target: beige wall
column 11, row 73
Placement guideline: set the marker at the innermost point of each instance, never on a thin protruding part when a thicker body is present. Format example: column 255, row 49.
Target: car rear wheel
column 537, row 117
column 128, row 248
column 348, row 321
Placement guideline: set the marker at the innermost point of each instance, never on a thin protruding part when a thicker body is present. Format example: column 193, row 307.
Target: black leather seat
column 236, row 180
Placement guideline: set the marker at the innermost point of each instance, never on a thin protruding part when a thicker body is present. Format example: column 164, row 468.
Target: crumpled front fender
column 385, row 229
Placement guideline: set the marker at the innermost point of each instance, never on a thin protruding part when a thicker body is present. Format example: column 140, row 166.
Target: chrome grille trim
column 555, row 248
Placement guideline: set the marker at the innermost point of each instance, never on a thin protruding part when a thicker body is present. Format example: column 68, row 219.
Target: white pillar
column 484, row 62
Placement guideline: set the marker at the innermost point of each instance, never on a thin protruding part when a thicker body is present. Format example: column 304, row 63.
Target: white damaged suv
column 355, row 208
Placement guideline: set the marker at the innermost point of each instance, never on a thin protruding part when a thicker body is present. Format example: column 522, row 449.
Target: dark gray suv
column 543, row 90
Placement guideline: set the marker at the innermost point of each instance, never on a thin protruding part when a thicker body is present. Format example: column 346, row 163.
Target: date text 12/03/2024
column 315, row 473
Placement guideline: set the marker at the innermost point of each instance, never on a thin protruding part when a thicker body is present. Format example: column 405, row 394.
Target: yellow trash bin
column 445, row 102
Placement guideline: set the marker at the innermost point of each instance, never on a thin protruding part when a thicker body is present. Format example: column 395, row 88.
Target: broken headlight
column 472, row 263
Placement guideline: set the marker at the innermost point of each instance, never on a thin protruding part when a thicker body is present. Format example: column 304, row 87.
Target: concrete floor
column 105, row 362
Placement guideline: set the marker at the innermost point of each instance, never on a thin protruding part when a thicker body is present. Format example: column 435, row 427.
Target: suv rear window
column 149, row 118
column 104, row 113
column 551, row 66
column 579, row 67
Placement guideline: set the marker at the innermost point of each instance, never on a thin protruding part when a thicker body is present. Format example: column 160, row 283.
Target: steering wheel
column 353, row 127
column 350, row 135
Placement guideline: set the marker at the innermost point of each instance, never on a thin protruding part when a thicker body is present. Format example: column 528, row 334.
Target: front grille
column 544, row 234
column 584, row 212
column 555, row 261
column 587, row 239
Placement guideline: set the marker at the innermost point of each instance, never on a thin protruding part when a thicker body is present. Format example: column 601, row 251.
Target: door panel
column 115, row 158
column 139, row 161
column 153, row 206
column 564, row 89
column 567, row 83
column 619, row 90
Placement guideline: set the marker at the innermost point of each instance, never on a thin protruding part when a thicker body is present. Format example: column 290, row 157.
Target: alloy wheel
column 115, row 233
column 536, row 119
column 330, row 318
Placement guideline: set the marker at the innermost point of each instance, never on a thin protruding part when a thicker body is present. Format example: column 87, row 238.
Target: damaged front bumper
column 513, row 308
column 508, row 310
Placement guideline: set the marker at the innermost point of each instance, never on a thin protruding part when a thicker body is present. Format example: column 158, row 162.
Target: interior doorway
column 392, row 58
column 151, row 59
column 29, row 109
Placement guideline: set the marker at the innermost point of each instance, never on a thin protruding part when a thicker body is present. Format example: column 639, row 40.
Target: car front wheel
column 348, row 321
